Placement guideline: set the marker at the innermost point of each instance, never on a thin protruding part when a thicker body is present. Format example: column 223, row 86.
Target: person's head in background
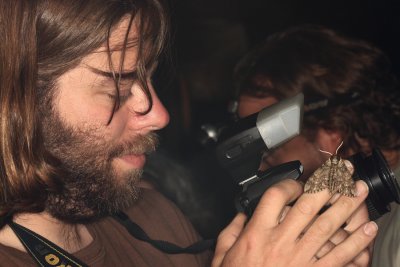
column 351, row 94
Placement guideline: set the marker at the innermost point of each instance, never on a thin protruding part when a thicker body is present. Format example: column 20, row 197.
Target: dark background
column 209, row 36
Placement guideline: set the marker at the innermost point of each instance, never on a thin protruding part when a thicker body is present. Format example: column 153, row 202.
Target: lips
column 136, row 161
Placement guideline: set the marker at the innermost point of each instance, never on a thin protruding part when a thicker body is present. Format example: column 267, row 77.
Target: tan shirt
column 387, row 243
column 113, row 246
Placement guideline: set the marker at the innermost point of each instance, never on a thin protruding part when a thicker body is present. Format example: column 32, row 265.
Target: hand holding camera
column 298, row 236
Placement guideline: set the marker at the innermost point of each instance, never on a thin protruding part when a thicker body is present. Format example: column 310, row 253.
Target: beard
column 90, row 188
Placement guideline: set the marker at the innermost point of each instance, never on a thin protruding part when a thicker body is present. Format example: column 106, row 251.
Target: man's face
column 298, row 148
column 102, row 161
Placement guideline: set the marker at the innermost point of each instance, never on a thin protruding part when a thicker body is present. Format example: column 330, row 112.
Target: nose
column 154, row 119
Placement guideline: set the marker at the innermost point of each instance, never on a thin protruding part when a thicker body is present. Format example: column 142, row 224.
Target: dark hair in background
column 41, row 40
column 348, row 84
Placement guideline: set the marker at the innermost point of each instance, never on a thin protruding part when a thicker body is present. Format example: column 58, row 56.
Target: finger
column 349, row 165
column 353, row 247
column 334, row 198
column 227, row 238
column 336, row 239
column 303, row 213
column 332, row 219
column 359, row 217
column 284, row 213
column 363, row 259
column 339, row 236
column 273, row 202
column 327, row 247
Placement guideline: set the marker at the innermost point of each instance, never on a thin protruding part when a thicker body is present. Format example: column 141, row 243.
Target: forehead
column 114, row 49
column 251, row 104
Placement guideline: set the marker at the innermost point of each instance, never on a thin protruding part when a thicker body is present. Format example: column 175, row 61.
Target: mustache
column 141, row 144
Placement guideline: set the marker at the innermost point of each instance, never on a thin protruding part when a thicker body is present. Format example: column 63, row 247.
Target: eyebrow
column 130, row 75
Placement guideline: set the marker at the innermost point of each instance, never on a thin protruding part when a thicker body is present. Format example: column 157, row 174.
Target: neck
column 71, row 238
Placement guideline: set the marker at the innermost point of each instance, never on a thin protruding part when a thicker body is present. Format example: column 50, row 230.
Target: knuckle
column 358, row 242
column 251, row 241
column 275, row 192
column 304, row 208
column 324, row 226
column 346, row 203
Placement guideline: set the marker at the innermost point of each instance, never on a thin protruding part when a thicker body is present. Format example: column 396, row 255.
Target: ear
column 328, row 140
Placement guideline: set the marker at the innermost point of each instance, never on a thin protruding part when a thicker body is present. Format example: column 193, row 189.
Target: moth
column 335, row 175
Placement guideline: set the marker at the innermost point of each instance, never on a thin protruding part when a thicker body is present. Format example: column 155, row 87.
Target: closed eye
column 129, row 75
column 123, row 96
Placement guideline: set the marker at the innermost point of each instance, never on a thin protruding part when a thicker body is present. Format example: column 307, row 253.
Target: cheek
column 249, row 105
column 295, row 149
column 245, row 110
column 118, row 126
column 284, row 155
column 79, row 110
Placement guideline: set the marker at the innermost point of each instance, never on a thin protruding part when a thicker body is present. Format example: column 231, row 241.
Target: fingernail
column 362, row 187
column 370, row 228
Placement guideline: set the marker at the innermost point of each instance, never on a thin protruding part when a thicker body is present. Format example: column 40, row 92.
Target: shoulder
column 12, row 257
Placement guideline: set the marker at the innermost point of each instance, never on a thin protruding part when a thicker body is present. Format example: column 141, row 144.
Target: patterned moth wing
column 334, row 175
column 318, row 181
column 342, row 180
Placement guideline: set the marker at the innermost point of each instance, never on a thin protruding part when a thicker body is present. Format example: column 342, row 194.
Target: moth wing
column 318, row 181
column 344, row 183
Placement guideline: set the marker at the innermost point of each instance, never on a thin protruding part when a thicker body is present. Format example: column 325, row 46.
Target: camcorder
column 240, row 145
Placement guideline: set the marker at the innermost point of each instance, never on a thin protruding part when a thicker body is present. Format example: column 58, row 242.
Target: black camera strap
column 47, row 254
column 44, row 252
column 165, row 246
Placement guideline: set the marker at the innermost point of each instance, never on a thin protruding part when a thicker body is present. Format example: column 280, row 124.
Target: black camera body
column 376, row 173
column 241, row 144
column 252, row 190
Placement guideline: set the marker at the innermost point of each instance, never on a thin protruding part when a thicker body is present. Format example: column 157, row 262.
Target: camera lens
column 382, row 184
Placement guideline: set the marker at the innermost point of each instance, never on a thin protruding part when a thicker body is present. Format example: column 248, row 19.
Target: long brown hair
column 41, row 40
